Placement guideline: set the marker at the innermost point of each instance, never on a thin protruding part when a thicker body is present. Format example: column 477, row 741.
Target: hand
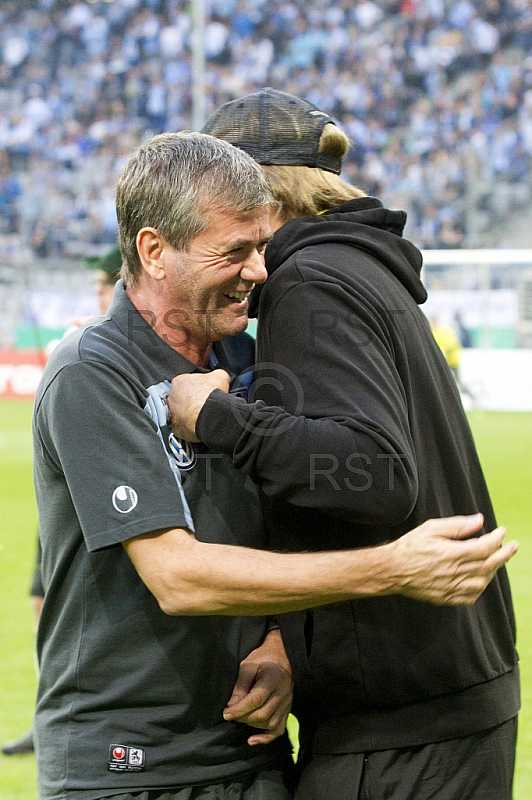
column 435, row 566
column 262, row 696
column 188, row 396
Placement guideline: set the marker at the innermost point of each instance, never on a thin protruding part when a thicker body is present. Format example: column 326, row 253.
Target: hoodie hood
column 362, row 223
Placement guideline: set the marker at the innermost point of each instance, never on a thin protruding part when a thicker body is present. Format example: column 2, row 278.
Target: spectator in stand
column 394, row 71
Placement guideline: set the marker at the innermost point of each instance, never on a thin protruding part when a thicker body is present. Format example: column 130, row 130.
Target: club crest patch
column 182, row 452
column 123, row 758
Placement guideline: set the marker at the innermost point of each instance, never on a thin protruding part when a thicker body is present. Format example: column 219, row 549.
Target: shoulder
column 97, row 352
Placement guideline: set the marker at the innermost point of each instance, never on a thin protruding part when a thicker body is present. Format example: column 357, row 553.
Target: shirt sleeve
column 331, row 430
column 95, row 436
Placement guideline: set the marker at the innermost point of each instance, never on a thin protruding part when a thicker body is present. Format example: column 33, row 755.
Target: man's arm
column 303, row 459
column 189, row 577
column 328, row 425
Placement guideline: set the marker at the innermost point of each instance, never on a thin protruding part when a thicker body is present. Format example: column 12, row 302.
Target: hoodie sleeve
column 328, row 426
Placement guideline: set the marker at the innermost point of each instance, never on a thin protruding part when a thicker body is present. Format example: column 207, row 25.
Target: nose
column 253, row 269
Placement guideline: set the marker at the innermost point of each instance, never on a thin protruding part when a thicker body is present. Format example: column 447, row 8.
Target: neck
column 170, row 324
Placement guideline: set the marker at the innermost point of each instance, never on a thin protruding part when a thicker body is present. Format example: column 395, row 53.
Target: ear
column 150, row 246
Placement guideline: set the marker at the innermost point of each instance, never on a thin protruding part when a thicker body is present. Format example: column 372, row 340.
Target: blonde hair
column 306, row 191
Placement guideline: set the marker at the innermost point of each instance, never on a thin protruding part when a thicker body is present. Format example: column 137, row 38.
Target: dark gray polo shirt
column 130, row 698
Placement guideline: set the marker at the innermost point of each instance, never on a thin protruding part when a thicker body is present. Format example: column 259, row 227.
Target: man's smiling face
column 210, row 283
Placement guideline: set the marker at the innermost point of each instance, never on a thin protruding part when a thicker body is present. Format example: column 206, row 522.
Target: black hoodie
column 357, row 435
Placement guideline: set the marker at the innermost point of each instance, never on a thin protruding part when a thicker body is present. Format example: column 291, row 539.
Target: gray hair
column 173, row 181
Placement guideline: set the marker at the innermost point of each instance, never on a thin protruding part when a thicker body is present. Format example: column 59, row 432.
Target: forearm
column 189, row 577
column 337, row 466
column 248, row 582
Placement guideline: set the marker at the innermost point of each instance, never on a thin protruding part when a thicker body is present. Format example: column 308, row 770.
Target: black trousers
column 266, row 785
column 475, row 767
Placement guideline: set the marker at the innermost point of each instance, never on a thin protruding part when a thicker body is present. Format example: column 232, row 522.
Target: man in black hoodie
column 356, row 434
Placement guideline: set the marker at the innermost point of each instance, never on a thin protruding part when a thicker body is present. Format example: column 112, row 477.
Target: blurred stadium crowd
column 435, row 94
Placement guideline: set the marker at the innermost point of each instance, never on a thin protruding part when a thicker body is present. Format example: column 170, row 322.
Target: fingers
column 479, row 566
column 266, row 738
column 199, row 383
column 245, row 698
column 220, row 379
column 257, row 697
column 189, row 394
column 244, row 706
column 441, row 568
column 262, row 696
column 457, row 527
column 501, row 556
column 258, row 701
column 270, row 718
column 477, row 575
column 265, row 706
column 486, row 546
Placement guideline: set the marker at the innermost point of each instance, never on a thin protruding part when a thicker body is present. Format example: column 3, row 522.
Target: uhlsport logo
column 123, row 758
column 182, row 452
column 125, row 499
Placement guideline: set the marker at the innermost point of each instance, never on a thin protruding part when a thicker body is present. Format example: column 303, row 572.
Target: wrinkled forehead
column 250, row 224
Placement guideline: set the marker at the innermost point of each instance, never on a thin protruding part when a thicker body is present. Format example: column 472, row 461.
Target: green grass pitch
column 505, row 446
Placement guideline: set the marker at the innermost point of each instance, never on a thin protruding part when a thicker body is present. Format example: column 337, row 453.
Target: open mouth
column 239, row 298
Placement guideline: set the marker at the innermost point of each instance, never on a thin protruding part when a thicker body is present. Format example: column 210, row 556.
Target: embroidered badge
column 123, row 758
column 182, row 452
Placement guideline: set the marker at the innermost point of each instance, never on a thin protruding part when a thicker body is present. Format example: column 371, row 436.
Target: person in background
column 355, row 433
column 107, row 273
column 25, row 743
column 449, row 343
column 464, row 334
